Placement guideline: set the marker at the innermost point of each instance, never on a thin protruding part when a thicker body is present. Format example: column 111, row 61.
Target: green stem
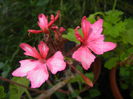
column 28, row 94
column 114, row 5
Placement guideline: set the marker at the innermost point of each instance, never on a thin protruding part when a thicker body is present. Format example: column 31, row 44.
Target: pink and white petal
column 30, row 51
column 43, row 21
column 97, row 26
column 96, row 30
column 85, row 27
column 38, row 75
column 99, row 46
column 84, row 56
column 56, row 63
column 43, row 49
column 35, row 31
column 25, row 66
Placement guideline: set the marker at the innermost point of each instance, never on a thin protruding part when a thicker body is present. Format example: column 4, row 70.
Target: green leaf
column 94, row 93
column 111, row 63
column 113, row 24
column 71, row 36
column 127, row 36
column 114, row 30
column 129, row 22
column 2, row 93
column 78, row 78
column 124, row 72
column 17, row 91
column 124, row 86
column 113, row 16
column 91, row 17
column 90, row 76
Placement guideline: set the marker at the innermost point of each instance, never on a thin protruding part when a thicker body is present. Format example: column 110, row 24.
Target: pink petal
column 38, row 75
column 43, row 48
column 97, row 26
column 53, row 19
column 25, row 66
column 99, row 46
column 56, row 63
column 84, row 56
column 43, row 22
column 29, row 50
column 85, row 27
column 35, row 31
column 96, row 29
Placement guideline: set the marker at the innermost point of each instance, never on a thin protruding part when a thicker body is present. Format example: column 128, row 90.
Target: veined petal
column 99, row 46
column 97, row 26
column 56, row 63
column 43, row 49
column 25, row 66
column 38, row 75
column 85, row 27
column 84, row 56
column 96, row 29
column 30, row 51
column 43, row 21
column 35, row 31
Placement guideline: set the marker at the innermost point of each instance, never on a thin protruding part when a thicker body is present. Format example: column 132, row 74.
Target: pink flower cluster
column 36, row 70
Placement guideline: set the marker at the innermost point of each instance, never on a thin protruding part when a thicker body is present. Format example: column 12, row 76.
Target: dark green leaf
column 94, row 92
column 2, row 93
column 111, row 63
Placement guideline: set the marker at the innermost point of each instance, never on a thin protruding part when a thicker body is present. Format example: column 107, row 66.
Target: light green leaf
column 114, row 30
column 71, row 36
column 127, row 36
column 111, row 63
column 17, row 91
column 92, row 18
column 113, row 16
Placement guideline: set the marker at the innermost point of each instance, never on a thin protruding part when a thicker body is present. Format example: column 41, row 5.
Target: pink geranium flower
column 93, row 40
column 36, row 69
column 43, row 23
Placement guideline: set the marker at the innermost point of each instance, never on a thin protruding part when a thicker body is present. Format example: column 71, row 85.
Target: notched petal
column 84, row 56
column 56, row 63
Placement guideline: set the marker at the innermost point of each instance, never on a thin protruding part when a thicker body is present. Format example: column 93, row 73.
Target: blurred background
column 17, row 16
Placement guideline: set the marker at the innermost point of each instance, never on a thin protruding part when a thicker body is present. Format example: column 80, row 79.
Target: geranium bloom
column 43, row 23
column 93, row 40
column 36, row 69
